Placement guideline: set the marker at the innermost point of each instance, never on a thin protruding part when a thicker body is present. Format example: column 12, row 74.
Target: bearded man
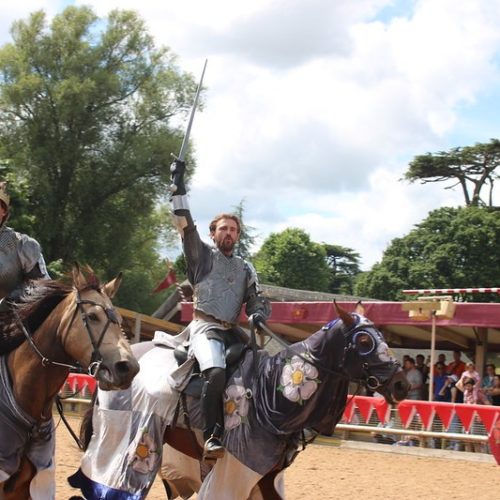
column 222, row 283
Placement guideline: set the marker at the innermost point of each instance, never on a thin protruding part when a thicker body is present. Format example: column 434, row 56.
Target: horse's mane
column 33, row 309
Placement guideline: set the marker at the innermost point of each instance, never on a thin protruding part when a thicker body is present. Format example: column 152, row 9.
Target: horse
column 269, row 402
column 53, row 327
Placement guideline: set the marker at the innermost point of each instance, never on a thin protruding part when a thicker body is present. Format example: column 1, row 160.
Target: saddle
column 234, row 353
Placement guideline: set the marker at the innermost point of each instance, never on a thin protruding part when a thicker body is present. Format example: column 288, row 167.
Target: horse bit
column 96, row 358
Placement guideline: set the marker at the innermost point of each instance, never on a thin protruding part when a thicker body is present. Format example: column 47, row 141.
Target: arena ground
column 327, row 472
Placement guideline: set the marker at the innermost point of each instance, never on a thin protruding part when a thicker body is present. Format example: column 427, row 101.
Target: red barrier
column 79, row 382
column 426, row 410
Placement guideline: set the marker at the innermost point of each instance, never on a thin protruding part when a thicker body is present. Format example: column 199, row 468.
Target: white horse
column 268, row 402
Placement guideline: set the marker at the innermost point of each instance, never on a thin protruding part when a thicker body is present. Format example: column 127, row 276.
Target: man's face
column 226, row 235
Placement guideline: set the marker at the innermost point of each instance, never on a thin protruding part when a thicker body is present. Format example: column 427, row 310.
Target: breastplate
column 222, row 291
column 11, row 271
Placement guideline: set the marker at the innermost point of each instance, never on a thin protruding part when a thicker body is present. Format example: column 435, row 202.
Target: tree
column 472, row 167
column 451, row 248
column 246, row 240
column 86, row 109
column 344, row 265
column 292, row 260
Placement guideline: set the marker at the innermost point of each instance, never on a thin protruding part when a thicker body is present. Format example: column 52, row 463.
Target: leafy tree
column 344, row 265
column 246, row 241
column 292, row 260
column 86, row 110
column 451, row 248
column 472, row 167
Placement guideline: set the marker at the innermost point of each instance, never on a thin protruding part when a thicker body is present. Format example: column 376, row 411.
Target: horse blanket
column 20, row 434
column 264, row 414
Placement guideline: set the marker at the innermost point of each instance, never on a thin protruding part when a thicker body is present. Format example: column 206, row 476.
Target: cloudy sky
column 314, row 108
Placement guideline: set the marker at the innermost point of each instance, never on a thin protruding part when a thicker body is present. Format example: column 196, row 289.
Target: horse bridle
column 371, row 381
column 96, row 357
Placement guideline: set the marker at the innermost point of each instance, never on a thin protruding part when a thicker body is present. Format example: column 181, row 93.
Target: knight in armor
column 222, row 283
column 21, row 258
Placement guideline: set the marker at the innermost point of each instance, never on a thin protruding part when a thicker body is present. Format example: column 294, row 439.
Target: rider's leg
column 211, row 408
column 210, row 354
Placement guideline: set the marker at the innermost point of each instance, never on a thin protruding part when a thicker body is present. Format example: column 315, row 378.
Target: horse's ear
column 111, row 287
column 360, row 309
column 79, row 279
column 346, row 318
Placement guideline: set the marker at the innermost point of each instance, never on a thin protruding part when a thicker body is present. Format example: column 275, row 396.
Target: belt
column 197, row 314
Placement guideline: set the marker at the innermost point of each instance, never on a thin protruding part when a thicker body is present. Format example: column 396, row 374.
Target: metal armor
column 222, row 291
column 19, row 254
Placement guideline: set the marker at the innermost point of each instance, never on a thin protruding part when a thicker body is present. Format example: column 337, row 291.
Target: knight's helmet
column 5, row 199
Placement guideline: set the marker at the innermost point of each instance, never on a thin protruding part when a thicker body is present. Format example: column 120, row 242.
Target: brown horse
column 41, row 338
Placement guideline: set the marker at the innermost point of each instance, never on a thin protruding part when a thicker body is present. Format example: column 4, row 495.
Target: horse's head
column 91, row 333
column 368, row 358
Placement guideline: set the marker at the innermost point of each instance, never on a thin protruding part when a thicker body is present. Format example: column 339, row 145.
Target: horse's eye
column 93, row 317
column 364, row 343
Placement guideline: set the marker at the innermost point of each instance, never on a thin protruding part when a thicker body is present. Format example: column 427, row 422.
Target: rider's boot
column 211, row 408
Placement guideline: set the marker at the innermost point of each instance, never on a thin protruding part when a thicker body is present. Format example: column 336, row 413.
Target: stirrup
column 213, row 449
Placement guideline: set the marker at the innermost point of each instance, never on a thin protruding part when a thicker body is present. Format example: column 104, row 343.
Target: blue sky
column 314, row 108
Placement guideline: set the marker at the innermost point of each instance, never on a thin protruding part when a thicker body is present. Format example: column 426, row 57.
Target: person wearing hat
column 21, row 258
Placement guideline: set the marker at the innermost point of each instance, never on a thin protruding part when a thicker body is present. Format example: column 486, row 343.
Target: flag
column 169, row 280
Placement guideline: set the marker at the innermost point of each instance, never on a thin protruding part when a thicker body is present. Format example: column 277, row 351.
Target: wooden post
column 137, row 331
column 433, row 354
column 481, row 349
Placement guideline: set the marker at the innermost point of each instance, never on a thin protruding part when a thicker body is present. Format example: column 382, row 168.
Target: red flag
column 169, row 280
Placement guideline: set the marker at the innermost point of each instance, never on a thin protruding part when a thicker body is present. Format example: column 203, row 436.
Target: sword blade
column 185, row 142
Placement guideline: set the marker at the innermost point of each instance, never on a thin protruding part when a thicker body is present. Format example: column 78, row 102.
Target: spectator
column 457, row 366
column 442, row 390
column 494, row 392
column 471, row 373
column 414, row 378
column 441, row 359
column 421, row 366
column 471, row 396
column 489, row 377
column 424, row 370
column 456, row 397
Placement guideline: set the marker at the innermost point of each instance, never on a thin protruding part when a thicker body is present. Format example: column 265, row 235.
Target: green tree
column 247, row 239
column 86, row 107
column 292, row 260
column 344, row 265
column 451, row 248
column 472, row 167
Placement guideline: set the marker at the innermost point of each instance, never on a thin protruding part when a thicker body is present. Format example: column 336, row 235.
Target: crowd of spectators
column 454, row 382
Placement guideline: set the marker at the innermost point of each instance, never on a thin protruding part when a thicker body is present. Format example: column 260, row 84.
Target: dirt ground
column 325, row 472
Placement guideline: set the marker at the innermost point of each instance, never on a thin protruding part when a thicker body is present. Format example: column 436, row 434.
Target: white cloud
column 314, row 109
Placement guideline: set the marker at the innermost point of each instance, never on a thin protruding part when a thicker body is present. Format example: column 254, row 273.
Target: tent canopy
column 472, row 323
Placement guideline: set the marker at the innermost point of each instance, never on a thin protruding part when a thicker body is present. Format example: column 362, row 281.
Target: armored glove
column 258, row 319
column 177, row 170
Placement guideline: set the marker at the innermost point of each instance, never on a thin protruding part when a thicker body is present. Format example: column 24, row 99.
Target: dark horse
column 302, row 387
column 41, row 338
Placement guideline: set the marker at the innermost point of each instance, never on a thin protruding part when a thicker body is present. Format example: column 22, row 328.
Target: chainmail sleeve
column 255, row 302
column 31, row 258
column 198, row 255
